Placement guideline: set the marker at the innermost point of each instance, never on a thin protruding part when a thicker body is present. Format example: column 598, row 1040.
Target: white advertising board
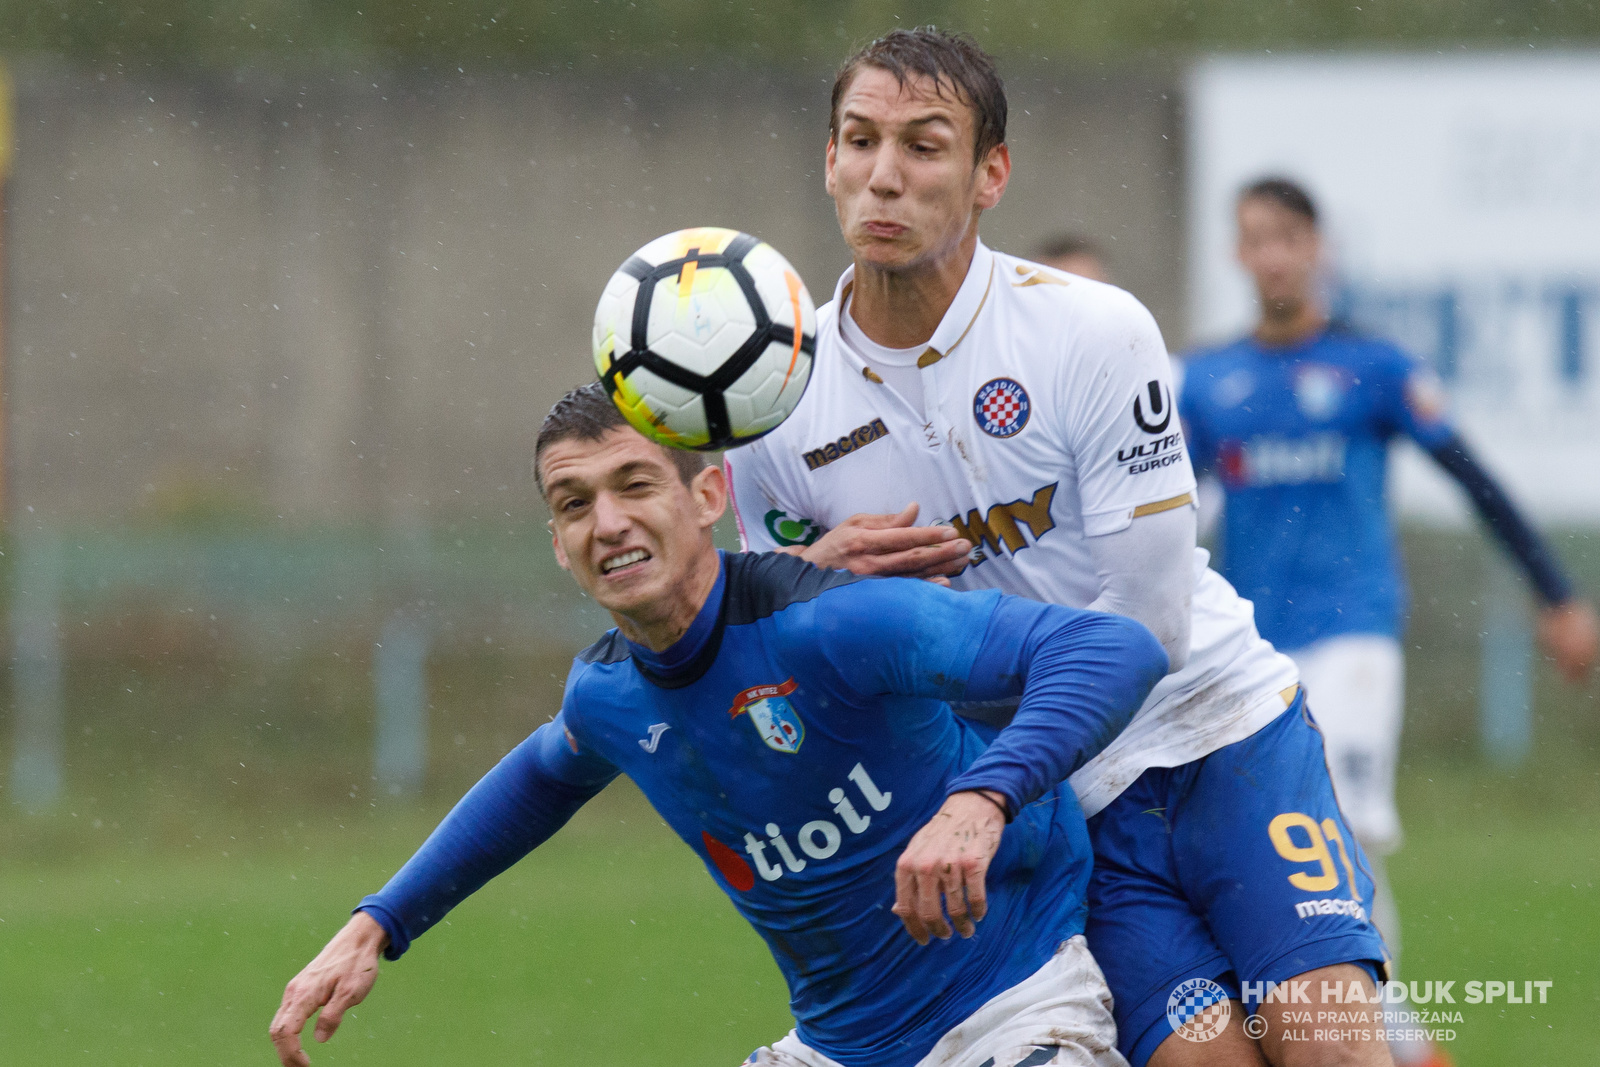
column 1461, row 205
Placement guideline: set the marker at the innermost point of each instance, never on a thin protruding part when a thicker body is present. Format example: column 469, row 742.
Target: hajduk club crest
column 1001, row 407
column 772, row 715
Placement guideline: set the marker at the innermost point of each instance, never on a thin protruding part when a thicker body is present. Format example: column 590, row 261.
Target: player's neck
column 902, row 308
column 1283, row 327
column 659, row 625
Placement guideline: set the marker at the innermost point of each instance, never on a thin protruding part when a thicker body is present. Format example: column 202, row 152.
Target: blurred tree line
column 782, row 33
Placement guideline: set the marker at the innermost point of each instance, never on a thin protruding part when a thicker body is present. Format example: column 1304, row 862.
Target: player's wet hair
column 951, row 60
column 1283, row 192
column 587, row 414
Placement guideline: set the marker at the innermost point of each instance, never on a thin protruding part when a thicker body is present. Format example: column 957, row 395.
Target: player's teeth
column 623, row 560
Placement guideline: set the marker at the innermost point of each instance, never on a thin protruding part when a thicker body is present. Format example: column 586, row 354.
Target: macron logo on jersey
column 860, row 437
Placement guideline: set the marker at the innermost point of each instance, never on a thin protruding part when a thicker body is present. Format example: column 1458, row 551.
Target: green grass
column 612, row 943
column 609, row 942
column 1498, row 880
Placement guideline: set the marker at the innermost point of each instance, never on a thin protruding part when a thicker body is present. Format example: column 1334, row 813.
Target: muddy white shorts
column 1059, row 1015
column 1354, row 688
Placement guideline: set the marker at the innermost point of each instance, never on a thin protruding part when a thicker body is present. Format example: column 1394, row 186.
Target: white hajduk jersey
column 1048, row 419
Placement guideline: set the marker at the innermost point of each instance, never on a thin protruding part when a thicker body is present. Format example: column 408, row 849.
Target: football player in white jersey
column 1027, row 418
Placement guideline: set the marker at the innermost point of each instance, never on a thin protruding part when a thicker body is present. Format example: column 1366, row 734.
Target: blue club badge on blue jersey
column 1001, row 407
column 772, row 715
column 1319, row 390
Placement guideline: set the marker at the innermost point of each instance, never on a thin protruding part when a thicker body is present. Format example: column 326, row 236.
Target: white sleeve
column 766, row 516
column 1120, row 421
column 1146, row 573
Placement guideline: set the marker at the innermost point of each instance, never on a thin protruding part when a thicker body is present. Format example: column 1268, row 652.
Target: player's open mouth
column 625, row 559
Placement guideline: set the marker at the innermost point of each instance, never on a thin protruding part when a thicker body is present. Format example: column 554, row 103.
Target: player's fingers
column 903, row 539
column 974, row 885
column 939, row 560
column 930, row 901
column 939, row 580
column 286, row 1027
column 905, row 888
column 925, row 561
column 956, row 904
column 869, row 521
column 332, row 1015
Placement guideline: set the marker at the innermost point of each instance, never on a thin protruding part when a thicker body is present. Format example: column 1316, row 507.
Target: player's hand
column 339, row 978
column 890, row 545
column 1570, row 634
column 942, row 870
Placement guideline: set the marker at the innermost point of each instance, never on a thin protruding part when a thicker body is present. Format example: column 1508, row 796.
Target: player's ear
column 555, row 545
column 710, row 491
column 993, row 175
column 830, row 156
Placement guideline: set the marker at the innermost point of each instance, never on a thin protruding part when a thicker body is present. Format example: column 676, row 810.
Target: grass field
column 219, row 826
column 612, row 944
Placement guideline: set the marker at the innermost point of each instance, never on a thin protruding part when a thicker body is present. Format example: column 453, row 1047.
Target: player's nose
column 886, row 178
column 611, row 519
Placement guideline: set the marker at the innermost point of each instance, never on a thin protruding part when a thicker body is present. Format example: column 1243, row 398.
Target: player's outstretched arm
column 339, row 978
column 1568, row 628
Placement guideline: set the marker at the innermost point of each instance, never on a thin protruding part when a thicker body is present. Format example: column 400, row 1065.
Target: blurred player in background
column 1295, row 421
column 1074, row 254
column 790, row 725
column 1029, row 416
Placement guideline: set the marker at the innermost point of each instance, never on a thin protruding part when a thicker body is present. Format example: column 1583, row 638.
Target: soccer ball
column 704, row 339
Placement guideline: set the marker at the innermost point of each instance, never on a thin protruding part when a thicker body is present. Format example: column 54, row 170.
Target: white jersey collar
column 958, row 318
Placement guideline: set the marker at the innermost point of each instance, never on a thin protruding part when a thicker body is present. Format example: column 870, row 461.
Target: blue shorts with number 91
column 1237, row 867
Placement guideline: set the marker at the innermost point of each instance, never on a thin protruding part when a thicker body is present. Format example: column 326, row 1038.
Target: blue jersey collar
column 690, row 656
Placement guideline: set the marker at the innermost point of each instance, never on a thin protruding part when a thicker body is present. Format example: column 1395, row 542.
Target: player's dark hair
column 951, row 60
column 587, row 414
column 1068, row 244
column 1283, row 192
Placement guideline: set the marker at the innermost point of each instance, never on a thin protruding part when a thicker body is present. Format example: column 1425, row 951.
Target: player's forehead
column 576, row 463
column 877, row 96
column 1264, row 214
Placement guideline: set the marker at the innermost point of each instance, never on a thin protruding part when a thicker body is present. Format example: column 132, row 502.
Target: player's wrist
column 993, row 797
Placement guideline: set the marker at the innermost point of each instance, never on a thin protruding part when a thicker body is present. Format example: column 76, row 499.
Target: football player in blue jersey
column 790, row 724
column 1295, row 421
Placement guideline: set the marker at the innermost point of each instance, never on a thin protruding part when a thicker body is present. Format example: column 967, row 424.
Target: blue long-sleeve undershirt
column 1504, row 519
column 526, row 797
column 1081, row 677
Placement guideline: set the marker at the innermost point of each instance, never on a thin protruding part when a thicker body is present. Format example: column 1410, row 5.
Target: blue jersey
column 796, row 738
column 1299, row 438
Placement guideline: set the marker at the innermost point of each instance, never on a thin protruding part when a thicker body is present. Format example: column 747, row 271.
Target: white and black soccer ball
column 704, row 338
